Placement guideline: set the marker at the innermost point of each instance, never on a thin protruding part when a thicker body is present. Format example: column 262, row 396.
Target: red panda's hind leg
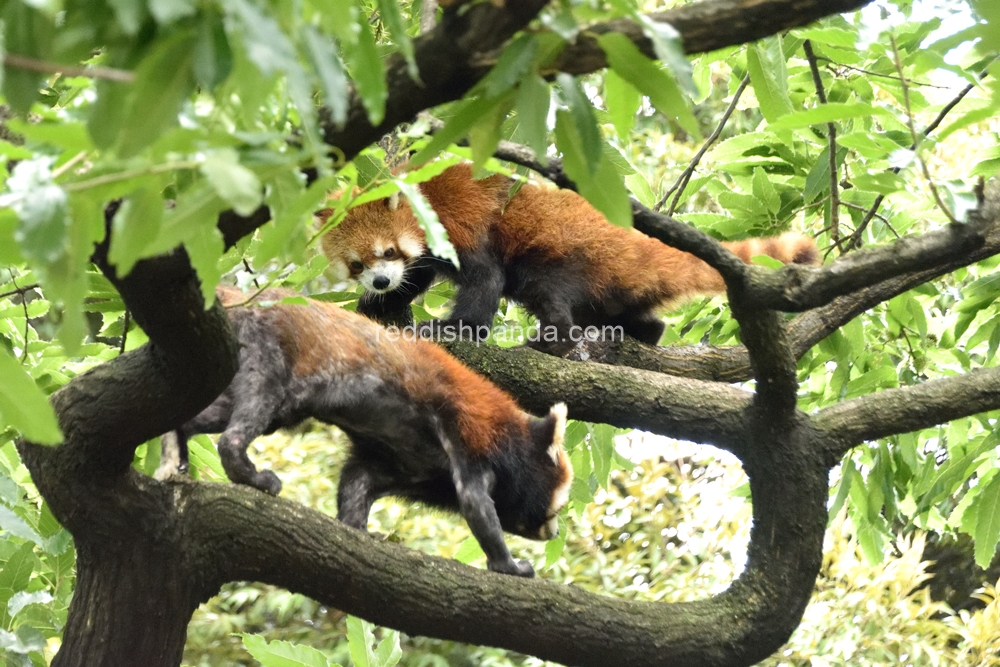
column 362, row 482
column 643, row 325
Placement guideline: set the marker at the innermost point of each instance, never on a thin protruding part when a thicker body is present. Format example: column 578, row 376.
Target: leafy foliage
column 182, row 110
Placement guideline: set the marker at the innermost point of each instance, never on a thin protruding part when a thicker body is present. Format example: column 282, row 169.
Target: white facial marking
column 382, row 270
column 411, row 246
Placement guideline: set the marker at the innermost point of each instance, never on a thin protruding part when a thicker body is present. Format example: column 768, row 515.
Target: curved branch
column 909, row 409
column 239, row 534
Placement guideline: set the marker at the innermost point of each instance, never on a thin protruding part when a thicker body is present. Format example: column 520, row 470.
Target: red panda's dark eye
column 356, row 267
column 389, row 252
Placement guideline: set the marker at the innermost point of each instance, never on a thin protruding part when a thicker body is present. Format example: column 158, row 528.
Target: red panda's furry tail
column 788, row 248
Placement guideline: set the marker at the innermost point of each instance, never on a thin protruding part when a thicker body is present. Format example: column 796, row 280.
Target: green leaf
column 393, row 20
column 554, row 547
column 987, row 529
column 581, row 111
column 16, row 526
column 69, row 135
column 330, row 68
column 764, row 190
column 360, row 640
column 282, row 654
column 818, row 178
column 204, row 249
column 469, row 113
column 884, row 183
column 366, row 66
column 485, row 134
column 766, row 63
column 24, row 406
column 825, row 113
column 833, row 36
column 134, row 227
column 623, row 102
column 42, row 208
column 669, row 47
column 437, row 236
column 469, row 550
column 169, row 11
column 14, row 577
column 532, row 103
column 388, row 652
column 646, row 76
column 236, row 184
column 604, row 189
column 273, row 236
column 163, row 81
column 213, row 57
column 514, row 64
column 196, row 208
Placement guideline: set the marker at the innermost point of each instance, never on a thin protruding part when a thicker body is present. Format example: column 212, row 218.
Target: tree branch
column 909, row 409
column 450, row 57
column 704, row 26
column 703, row 412
column 246, row 535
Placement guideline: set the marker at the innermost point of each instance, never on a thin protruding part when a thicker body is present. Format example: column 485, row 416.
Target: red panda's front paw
column 518, row 568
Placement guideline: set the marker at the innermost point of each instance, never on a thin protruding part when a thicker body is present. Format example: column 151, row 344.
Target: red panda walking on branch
column 421, row 425
column 547, row 249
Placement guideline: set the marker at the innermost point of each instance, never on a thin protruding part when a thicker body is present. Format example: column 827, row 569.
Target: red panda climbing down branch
column 545, row 248
column 421, row 425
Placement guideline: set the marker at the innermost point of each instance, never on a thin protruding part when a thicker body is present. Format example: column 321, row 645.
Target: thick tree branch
column 705, row 26
column 243, row 534
column 909, row 409
column 795, row 288
column 455, row 55
column 678, row 407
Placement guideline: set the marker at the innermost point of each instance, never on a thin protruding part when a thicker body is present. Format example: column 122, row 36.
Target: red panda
column 547, row 249
column 421, row 425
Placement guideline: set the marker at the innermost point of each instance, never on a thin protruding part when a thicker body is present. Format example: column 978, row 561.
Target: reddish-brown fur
column 325, row 338
column 550, row 224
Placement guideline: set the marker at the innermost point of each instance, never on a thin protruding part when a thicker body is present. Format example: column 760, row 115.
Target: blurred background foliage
column 217, row 110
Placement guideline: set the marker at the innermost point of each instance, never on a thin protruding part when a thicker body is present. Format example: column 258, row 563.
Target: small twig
column 20, row 290
column 246, row 265
column 33, row 65
column 685, row 176
column 855, row 240
column 881, row 217
column 69, row 164
column 24, row 304
column 913, row 133
column 125, row 325
column 879, row 74
column 832, row 137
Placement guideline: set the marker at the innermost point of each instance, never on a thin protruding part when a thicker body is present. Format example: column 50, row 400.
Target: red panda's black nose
column 380, row 282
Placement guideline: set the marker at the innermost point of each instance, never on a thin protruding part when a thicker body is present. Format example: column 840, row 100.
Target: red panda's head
column 529, row 503
column 374, row 243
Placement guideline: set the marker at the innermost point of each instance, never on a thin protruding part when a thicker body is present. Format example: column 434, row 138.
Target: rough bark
column 150, row 551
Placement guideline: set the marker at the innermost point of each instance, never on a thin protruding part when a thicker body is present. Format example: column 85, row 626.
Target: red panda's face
column 374, row 244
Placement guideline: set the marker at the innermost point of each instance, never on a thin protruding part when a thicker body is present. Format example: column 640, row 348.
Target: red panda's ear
column 393, row 201
column 548, row 434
